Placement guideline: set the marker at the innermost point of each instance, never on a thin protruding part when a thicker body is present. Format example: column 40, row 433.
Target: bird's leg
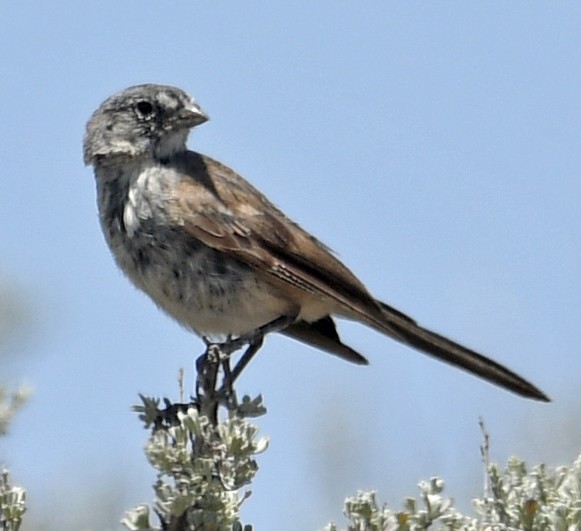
column 230, row 375
column 254, row 340
column 249, row 353
column 218, row 355
column 232, row 345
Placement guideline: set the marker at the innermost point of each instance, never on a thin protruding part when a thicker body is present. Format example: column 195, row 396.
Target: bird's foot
column 218, row 356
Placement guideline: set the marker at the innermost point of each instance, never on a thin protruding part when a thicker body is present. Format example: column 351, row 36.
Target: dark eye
column 144, row 108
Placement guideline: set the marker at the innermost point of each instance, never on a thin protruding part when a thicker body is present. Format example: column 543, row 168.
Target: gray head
column 141, row 121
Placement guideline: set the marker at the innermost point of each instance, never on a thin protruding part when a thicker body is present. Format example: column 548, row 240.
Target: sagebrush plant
column 541, row 499
column 205, row 463
column 202, row 461
column 12, row 498
column 12, row 503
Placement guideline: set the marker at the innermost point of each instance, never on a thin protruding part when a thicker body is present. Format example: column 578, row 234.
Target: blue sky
column 434, row 145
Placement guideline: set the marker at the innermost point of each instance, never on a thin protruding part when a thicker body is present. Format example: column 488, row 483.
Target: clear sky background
column 436, row 146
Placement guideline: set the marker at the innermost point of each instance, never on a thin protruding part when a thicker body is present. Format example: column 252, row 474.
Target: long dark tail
column 401, row 327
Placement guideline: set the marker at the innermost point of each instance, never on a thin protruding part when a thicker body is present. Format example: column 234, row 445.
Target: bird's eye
column 144, row 108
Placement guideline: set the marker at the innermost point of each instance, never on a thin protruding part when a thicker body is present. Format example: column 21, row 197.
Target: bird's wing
column 227, row 213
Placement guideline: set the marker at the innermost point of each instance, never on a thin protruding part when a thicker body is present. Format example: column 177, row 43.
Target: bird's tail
column 404, row 329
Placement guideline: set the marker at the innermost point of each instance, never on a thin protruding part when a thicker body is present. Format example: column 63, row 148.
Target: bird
column 216, row 255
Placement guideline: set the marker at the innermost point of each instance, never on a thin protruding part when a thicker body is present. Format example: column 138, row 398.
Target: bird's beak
column 192, row 116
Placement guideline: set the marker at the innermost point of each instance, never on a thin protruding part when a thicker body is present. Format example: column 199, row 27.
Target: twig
column 485, row 454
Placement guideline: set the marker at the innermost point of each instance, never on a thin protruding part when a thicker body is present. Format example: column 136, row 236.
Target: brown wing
column 227, row 213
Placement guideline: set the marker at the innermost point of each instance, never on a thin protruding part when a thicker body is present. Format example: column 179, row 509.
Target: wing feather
column 227, row 213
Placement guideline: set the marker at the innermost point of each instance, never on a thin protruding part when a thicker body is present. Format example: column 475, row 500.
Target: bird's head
column 141, row 121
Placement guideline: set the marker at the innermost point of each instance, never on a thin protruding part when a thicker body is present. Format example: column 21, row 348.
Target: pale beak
column 192, row 116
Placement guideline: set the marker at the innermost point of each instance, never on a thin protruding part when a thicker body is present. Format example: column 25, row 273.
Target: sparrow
column 216, row 255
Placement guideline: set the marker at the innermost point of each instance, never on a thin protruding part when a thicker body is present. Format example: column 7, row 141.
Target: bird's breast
column 204, row 289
